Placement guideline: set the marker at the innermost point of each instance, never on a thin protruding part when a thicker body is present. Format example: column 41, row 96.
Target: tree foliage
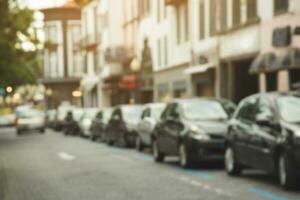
column 17, row 66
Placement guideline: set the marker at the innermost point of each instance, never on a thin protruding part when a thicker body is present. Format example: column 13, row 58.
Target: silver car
column 149, row 118
column 30, row 120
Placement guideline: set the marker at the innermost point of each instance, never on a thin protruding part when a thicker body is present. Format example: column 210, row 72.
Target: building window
column 251, row 9
column 212, row 17
column 182, row 20
column 166, row 50
column 158, row 10
column 281, row 6
column 158, row 53
column 201, row 20
column 236, row 12
column 186, row 21
column 222, row 15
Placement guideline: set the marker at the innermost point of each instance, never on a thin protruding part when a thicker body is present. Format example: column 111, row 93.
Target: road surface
column 55, row 167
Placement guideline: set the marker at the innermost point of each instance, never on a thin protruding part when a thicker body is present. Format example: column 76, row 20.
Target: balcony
column 91, row 41
column 119, row 54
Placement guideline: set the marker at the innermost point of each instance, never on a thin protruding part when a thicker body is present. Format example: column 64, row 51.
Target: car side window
column 175, row 111
column 99, row 115
column 264, row 111
column 144, row 114
column 248, row 110
column 167, row 112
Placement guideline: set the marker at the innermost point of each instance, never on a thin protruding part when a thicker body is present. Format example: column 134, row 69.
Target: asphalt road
column 55, row 167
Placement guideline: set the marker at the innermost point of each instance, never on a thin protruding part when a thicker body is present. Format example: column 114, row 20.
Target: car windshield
column 31, row 114
column 204, row 110
column 132, row 113
column 90, row 113
column 289, row 108
column 107, row 115
column 157, row 110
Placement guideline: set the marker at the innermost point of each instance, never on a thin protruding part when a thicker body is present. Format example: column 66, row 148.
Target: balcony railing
column 91, row 40
column 119, row 54
column 174, row 2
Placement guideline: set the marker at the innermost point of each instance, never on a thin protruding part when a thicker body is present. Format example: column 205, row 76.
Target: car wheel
column 184, row 159
column 158, row 156
column 42, row 131
column 286, row 172
column 231, row 166
column 138, row 144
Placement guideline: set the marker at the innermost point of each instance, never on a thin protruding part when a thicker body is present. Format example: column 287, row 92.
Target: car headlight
column 199, row 134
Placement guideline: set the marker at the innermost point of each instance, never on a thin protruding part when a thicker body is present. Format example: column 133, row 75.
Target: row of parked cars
column 263, row 132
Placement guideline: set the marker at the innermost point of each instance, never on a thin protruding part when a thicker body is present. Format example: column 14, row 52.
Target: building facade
column 62, row 55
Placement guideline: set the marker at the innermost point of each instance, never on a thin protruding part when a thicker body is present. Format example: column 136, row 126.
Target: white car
column 149, row 118
column 31, row 120
column 86, row 121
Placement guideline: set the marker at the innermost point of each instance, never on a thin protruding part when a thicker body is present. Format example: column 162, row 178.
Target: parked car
column 7, row 117
column 265, row 134
column 193, row 129
column 86, row 121
column 50, row 118
column 99, row 124
column 122, row 127
column 149, row 118
column 31, row 120
column 71, row 121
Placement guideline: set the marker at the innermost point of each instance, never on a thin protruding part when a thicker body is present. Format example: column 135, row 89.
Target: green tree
column 17, row 66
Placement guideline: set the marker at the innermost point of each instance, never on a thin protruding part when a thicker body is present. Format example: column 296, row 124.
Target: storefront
column 280, row 68
column 237, row 52
column 172, row 83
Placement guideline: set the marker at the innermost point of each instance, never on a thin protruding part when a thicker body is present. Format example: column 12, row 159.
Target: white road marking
column 204, row 186
column 123, row 158
column 66, row 156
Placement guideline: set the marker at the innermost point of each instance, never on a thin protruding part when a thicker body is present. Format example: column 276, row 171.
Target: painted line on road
column 123, row 158
column 266, row 194
column 201, row 174
column 144, row 157
column 66, row 156
column 204, row 186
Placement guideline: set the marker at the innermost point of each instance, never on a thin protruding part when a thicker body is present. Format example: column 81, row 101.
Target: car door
column 148, row 125
column 143, row 125
column 263, row 141
column 173, row 128
column 242, row 129
column 162, row 130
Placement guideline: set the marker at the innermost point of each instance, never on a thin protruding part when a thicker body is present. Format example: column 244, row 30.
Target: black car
column 192, row 129
column 99, row 124
column 265, row 134
column 71, row 122
column 122, row 127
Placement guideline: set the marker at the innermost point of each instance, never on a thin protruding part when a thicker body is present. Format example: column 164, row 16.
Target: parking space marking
column 266, row 194
column 205, row 186
column 123, row 158
column 66, row 156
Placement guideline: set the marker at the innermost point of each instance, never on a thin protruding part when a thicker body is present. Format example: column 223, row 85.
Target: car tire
column 42, row 131
column 287, row 172
column 231, row 165
column 184, row 158
column 139, row 144
column 158, row 156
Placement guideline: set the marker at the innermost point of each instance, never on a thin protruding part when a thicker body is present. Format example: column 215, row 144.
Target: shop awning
column 263, row 63
column 199, row 68
column 289, row 60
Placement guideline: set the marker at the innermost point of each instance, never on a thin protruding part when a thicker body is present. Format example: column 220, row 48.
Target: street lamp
column 9, row 89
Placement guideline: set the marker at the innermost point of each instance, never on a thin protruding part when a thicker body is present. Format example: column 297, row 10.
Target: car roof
column 201, row 99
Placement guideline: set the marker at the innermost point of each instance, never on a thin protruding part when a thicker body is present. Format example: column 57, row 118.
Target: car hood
column 211, row 127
